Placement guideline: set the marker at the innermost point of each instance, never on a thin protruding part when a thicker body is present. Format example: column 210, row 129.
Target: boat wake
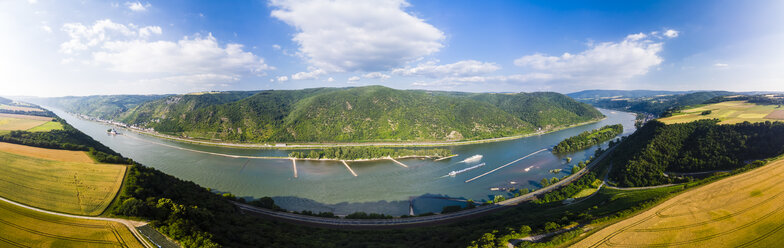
column 471, row 159
column 454, row 173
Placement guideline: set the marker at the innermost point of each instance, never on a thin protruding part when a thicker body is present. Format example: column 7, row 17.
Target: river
column 379, row 187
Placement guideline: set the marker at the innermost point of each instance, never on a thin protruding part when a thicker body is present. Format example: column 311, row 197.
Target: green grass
column 46, row 127
column 20, row 227
column 584, row 193
column 68, row 187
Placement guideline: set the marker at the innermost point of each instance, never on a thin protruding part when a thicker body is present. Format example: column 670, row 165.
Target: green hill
column 361, row 114
column 104, row 107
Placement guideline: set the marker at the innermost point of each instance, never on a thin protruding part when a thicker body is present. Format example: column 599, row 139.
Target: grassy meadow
column 21, row 227
column 46, row 127
column 729, row 113
column 744, row 210
column 57, row 180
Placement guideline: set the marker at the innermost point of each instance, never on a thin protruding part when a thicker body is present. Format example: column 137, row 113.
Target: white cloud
column 283, row 79
column 670, row 33
column 126, row 49
column 608, row 62
column 514, row 78
column 32, row 1
column 343, row 35
column 276, row 46
column 458, row 69
column 330, row 79
column 137, row 6
column 149, row 30
column 312, row 74
column 46, row 28
column 353, row 79
column 720, row 65
column 376, row 75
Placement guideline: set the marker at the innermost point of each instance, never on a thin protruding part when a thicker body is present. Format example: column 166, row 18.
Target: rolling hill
column 360, row 114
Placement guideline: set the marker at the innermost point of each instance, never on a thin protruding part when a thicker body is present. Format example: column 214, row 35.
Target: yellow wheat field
column 745, row 210
column 71, row 184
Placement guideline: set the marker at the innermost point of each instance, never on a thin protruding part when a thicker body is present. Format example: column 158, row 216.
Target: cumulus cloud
column 330, row 79
column 721, row 65
column 670, row 33
column 137, row 6
column 283, row 79
column 376, row 75
column 353, row 79
column 312, row 74
column 343, row 35
column 127, row 49
column 514, row 78
column 458, row 69
column 607, row 62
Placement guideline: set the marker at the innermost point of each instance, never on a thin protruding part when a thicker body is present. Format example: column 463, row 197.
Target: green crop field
column 46, row 127
column 10, row 122
column 744, row 210
column 72, row 186
column 21, row 227
column 728, row 112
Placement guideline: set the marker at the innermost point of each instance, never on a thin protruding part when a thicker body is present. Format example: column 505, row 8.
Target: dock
column 398, row 162
column 294, row 164
column 348, row 167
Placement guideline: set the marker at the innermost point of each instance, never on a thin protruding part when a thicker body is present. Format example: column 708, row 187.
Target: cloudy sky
column 54, row 48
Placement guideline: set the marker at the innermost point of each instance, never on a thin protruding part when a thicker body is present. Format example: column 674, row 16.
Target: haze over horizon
column 159, row 47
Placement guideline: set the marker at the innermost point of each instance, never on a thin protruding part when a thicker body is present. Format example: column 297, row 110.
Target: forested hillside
column 372, row 113
column 644, row 157
column 104, row 107
column 656, row 105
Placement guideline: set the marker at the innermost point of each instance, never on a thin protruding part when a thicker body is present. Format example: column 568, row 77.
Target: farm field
column 19, row 108
column 22, row 227
column 10, row 122
column 729, row 113
column 46, row 127
column 56, row 180
column 739, row 211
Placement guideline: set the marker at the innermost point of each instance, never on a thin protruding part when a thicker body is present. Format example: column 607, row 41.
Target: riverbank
column 294, row 146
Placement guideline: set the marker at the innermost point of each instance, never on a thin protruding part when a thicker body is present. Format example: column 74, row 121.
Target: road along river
column 379, row 186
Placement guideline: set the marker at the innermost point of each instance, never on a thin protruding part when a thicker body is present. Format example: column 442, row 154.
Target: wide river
column 379, row 187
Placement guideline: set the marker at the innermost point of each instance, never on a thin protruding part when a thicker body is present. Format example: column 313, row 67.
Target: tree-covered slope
column 645, row 156
column 104, row 106
column 657, row 105
column 372, row 113
column 542, row 109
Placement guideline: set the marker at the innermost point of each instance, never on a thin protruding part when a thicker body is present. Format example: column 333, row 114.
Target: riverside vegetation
column 367, row 152
column 588, row 138
column 361, row 114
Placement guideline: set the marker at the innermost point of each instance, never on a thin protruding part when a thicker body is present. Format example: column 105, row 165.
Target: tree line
column 644, row 157
column 368, row 152
column 588, row 138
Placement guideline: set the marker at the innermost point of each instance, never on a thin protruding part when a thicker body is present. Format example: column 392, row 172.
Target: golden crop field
column 21, row 122
column 20, row 227
column 20, row 108
column 56, row 180
column 744, row 210
column 728, row 112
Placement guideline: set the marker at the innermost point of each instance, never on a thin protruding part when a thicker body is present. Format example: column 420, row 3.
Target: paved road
column 131, row 225
column 421, row 220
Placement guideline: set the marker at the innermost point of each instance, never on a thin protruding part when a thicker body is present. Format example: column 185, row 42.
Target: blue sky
column 54, row 48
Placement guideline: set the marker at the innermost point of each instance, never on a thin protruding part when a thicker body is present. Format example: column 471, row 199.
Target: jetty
column 398, row 162
column 348, row 167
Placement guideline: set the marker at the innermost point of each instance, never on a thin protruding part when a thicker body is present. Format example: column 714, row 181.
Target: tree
column 545, row 182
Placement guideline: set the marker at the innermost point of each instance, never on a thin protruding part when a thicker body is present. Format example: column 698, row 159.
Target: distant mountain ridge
column 360, row 114
column 596, row 94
